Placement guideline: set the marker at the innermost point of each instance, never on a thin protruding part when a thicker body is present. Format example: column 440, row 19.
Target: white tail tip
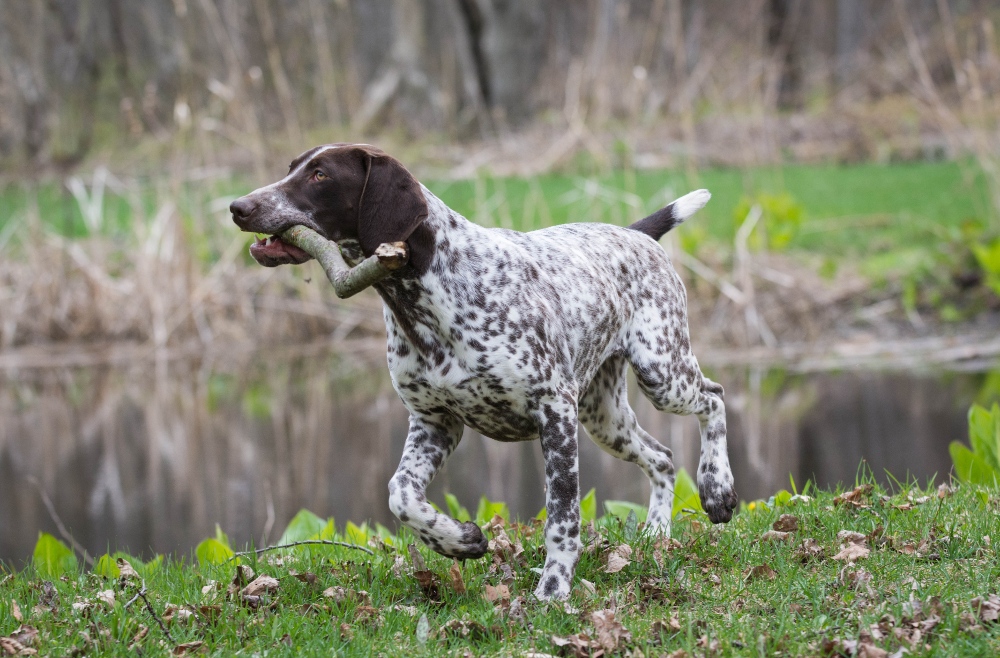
column 690, row 203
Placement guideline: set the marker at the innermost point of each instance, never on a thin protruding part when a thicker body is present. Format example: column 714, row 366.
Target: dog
column 519, row 336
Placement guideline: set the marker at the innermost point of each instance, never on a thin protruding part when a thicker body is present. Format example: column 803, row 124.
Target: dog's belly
column 480, row 402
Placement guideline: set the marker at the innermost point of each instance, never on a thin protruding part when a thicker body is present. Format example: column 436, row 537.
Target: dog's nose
column 242, row 208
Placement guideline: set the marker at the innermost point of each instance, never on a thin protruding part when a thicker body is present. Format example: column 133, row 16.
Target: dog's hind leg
column 428, row 445
column 668, row 373
column 611, row 424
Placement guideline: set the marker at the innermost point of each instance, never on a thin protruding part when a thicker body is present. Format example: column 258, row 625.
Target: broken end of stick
column 392, row 255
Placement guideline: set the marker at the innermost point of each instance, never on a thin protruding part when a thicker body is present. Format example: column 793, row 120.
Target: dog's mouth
column 271, row 251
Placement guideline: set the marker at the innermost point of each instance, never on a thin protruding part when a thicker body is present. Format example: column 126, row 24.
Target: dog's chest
column 478, row 377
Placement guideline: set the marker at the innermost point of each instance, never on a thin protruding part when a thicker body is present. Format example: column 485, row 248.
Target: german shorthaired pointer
column 517, row 335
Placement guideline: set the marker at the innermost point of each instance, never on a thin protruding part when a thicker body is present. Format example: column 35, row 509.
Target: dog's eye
column 319, row 175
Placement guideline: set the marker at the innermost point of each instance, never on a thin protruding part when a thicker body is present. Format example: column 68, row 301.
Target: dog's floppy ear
column 392, row 205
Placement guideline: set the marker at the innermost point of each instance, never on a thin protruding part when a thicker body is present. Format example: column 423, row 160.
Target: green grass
column 849, row 210
column 721, row 586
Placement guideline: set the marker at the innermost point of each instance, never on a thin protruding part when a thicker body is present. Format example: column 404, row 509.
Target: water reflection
column 148, row 458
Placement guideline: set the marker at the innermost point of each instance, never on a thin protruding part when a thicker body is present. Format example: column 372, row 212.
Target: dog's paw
column 719, row 503
column 552, row 587
column 472, row 546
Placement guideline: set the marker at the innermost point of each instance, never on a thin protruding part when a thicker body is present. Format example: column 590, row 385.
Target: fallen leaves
column 457, row 582
column 607, row 636
column 984, row 611
column 20, row 642
column 618, row 558
column 854, row 546
column 809, row 549
column 786, row 523
column 761, row 571
column 126, row 572
column 855, row 498
column 498, row 593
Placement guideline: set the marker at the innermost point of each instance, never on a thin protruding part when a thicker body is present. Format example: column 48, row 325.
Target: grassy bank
column 865, row 572
column 881, row 246
column 845, row 210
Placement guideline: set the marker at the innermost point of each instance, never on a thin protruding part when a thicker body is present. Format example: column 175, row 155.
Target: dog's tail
column 664, row 219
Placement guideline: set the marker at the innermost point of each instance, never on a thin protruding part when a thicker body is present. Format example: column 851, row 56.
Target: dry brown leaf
column 578, row 646
column 408, row 609
column 610, row 631
column 852, row 537
column 25, row 635
column 15, row 611
column 337, row 593
column 943, row 490
column 760, row 571
column 589, row 586
column 987, row 610
column 712, row 645
column 498, row 593
column 244, row 574
column 497, row 522
column 857, row 579
column 672, row 625
column 180, row 615
column 14, row 648
column 429, row 583
column 141, row 635
column 308, row 577
column 190, row 647
column 618, row 558
column 126, row 573
column 468, row 628
column 107, row 597
column 809, row 550
column 786, row 523
column 851, row 552
column 457, row 582
column 398, row 566
column 868, row 650
column 776, row 535
column 260, row 585
column 855, row 498
column 366, row 614
column 416, row 558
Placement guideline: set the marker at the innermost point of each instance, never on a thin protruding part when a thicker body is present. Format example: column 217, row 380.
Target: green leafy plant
column 52, row 558
column 107, row 566
column 988, row 259
column 981, row 464
column 488, row 509
column 214, row 550
column 780, row 220
column 304, row 526
column 686, row 500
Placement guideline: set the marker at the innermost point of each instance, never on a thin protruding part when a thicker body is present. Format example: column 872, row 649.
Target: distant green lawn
column 849, row 210
column 858, row 211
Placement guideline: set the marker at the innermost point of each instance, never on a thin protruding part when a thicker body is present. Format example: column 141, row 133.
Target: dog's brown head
column 343, row 192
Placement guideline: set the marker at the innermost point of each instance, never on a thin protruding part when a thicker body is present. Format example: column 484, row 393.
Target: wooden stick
column 348, row 281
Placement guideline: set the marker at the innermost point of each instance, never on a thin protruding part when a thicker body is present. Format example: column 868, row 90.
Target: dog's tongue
column 274, row 250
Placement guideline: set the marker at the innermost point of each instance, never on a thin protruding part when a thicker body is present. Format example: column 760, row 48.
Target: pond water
column 148, row 457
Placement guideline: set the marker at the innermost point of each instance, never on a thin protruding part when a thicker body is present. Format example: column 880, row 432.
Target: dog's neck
column 439, row 245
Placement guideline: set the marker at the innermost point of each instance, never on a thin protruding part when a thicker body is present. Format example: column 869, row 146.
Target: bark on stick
column 347, row 280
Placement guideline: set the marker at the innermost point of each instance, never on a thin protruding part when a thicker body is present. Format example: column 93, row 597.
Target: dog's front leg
column 558, row 429
column 428, row 445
